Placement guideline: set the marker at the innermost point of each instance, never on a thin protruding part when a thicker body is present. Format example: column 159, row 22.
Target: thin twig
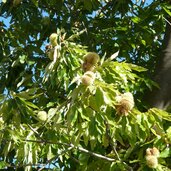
column 113, row 146
column 75, row 147
column 55, row 157
column 95, row 154
column 47, row 142
column 74, row 159
column 111, row 141
column 167, row 21
column 35, row 131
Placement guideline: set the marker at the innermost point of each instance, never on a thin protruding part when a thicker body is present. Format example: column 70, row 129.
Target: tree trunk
column 161, row 97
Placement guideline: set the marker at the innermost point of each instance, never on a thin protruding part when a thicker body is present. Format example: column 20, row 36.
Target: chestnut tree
column 85, row 85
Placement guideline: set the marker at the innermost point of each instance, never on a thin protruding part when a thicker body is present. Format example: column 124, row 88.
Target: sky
column 7, row 20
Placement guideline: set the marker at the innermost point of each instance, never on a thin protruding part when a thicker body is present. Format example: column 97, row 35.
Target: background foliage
column 82, row 130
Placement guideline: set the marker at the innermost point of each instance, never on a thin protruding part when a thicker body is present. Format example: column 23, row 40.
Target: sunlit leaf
column 167, row 10
column 165, row 153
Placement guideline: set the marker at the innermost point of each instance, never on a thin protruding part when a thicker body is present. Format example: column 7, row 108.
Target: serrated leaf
column 166, row 153
column 107, row 99
column 161, row 113
column 30, row 104
column 99, row 97
column 93, row 104
column 85, row 114
column 72, row 115
column 137, row 68
column 50, row 155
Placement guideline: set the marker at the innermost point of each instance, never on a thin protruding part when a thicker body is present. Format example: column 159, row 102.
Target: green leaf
column 50, row 155
column 83, row 158
column 75, row 92
column 167, row 10
column 28, row 168
column 166, row 153
column 72, row 115
column 137, row 68
column 86, row 136
column 3, row 164
column 143, row 42
column 118, row 137
column 85, row 114
column 35, row 2
column 168, row 133
column 76, row 139
column 1, row 97
column 28, row 94
column 136, row 19
column 7, row 148
column 93, row 103
column 107, row 99
column 22, row 59
column 113, row 56
column 29, row 104
column 51, row 112
column 99, row 97
column 117, row 166
column 93, row 133
column 128, row 152
column 161, row 113
column 93, row 142
column 105, row 140
column 88, row 5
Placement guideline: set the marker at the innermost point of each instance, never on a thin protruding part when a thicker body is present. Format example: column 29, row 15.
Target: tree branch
column 110, row 140
column 95, row 154
column 74, row 147
column 113, row 146
column 53, row 158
